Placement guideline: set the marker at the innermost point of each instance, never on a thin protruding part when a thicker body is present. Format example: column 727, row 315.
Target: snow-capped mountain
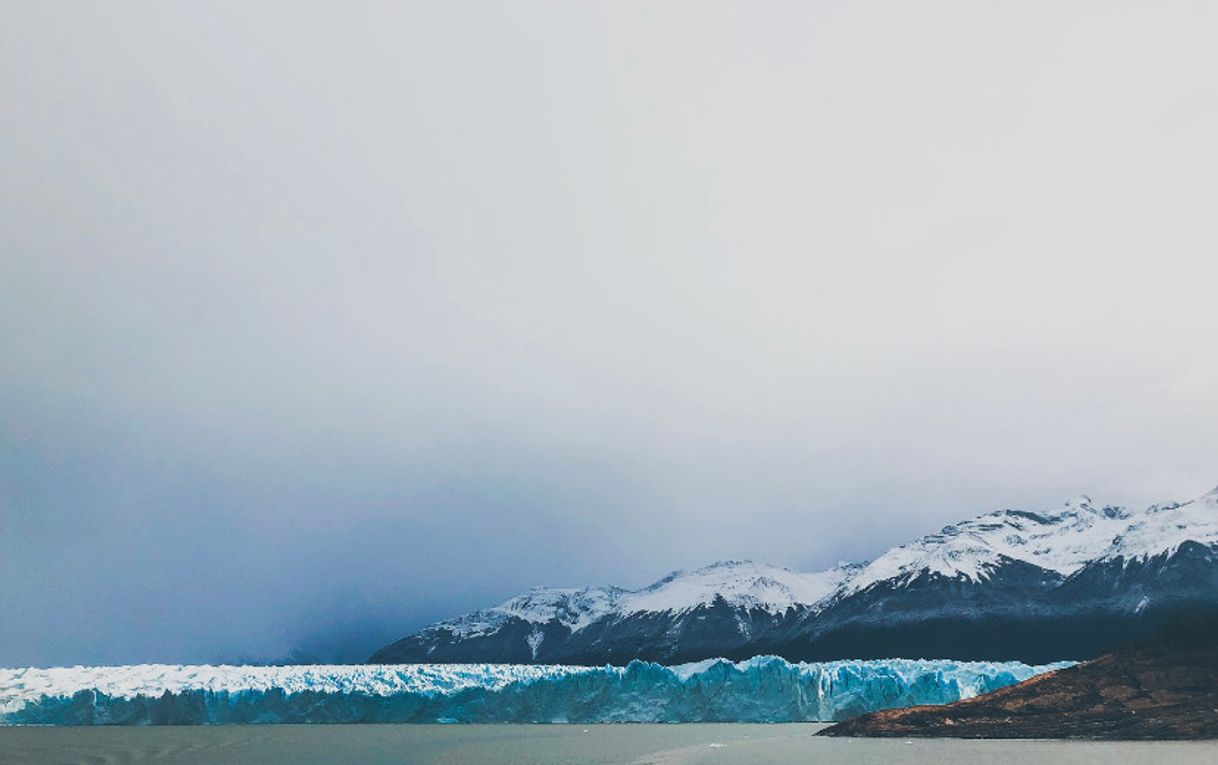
column 1011, row 584
column 1162, row 529
column 545, row 622
column 1062, row 541
column 740, row 583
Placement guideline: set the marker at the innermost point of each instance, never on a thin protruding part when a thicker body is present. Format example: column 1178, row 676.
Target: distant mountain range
column 1069, row 583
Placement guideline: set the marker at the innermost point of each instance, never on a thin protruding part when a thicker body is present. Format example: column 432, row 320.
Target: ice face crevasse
column 763, row 689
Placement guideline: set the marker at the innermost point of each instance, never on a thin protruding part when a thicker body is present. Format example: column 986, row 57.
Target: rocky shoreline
column 1167, row 691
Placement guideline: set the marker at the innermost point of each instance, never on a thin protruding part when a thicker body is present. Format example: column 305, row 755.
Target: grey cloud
column 355, row 318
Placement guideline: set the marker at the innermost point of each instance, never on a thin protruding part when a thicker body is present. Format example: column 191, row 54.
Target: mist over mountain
column 318, row 327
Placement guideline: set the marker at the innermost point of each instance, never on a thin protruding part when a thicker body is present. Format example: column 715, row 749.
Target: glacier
column 762, row 689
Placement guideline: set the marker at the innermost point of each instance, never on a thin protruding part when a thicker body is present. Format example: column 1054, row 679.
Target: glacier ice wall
column 762, row 689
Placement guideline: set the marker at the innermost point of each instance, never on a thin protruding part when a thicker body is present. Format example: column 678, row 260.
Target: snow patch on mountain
column 1163, row 528
column 1061, row 540
column 575, row 608
column 740, row 583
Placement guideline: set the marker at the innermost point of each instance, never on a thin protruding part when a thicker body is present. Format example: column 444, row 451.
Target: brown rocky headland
column 1164, row 690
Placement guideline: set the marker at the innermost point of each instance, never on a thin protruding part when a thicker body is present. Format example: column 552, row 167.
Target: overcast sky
column 318, row 325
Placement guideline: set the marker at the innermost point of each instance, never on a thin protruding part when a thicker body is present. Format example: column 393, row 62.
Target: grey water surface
column 724, row 744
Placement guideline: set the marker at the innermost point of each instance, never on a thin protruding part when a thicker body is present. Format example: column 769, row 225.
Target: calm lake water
column 553, row 745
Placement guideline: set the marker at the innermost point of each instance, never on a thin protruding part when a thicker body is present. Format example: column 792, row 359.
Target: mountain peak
column 739, row 582
column 1081, row 501
column 1163, row 528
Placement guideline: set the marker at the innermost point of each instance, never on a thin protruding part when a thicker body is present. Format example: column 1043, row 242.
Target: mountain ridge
column 1075, row 568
